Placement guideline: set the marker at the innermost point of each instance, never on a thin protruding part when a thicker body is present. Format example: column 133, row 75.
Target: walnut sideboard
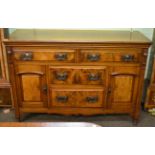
column 77, row 72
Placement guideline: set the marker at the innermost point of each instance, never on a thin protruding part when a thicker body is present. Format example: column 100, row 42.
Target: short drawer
column 126, row 56
column 81, row 75
column 96, row 56
column 63, row 97
column 77, row 97
column 55, row 55
column 91, row 98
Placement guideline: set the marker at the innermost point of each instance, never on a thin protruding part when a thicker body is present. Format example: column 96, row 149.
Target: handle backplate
column 27, row 56
column 61, row 56
column 92, row 99
column 127, row 58
column 93, row 57
column 61, row 76
column 63, row 99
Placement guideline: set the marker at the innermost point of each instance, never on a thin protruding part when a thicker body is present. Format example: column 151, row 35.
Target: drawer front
column 91, row 98
column 62, row 75
column 82, row 75
column 63, row 98
column 77, row 98
column 96, row 56
column 92, row 75
column 126, row 56
column 55, row 55
column 108, row 55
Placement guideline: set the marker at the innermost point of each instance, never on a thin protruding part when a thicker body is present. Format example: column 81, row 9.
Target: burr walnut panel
column 77, row 97
column 84, row 75
column 124, row 84
column 31, row 80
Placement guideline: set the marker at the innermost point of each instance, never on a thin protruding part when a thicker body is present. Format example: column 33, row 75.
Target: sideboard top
column 86, row 36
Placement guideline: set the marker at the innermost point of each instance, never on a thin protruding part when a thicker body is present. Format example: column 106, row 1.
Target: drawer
column 126, row 56
column 77, row 97
column 108, row 55
column 82, row 75
column 91, row 98
column 38, row 54
column 62, row 75
column 63, row 97
column 92, row 75
column 96, row 56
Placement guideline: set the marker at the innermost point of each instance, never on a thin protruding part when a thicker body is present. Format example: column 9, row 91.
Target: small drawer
column 34, row 54
column 92, row 75
column 62, row 75
column 96, row 56
column 126, row 56
column 91, row 98
column 63, row 97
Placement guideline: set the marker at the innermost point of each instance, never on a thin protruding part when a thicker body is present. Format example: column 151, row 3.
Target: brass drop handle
column 63, row 99
column 93, row 77
column 92, row 99
column 61, row 76
column 27, row 56
column 61, row 56
column 93, row 57
column 127, row 58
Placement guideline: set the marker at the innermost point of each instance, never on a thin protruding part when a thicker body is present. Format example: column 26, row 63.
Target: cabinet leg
column 18, row 116
column 135, row 122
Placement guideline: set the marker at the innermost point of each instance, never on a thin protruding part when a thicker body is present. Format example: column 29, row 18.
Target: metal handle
column 9, row 52
column 127, row 58
column 61, row 56
column 93, row 77
column 93, row 57
column 92, row 99
column 61, row 76
column 62, row 98
column 26, row 56
column 44, row 88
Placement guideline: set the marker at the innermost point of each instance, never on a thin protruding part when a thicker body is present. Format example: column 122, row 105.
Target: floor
column 146, row 120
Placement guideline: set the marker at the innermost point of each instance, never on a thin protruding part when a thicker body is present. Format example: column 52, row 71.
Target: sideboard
column 77, row 72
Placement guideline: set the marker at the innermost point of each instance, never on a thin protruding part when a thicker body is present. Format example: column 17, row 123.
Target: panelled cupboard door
column 124, row 87
column 31, row 85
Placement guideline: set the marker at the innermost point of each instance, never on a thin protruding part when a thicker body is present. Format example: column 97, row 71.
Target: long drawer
column 77, row 97
column 44, row 54
column 109, row 55
column 84, row 75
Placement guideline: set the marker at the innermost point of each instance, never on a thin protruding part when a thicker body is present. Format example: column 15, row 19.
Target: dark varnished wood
column 99, row 72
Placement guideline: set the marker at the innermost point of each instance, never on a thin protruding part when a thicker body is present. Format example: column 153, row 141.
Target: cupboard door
column 31, row 85
column 124, row 86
